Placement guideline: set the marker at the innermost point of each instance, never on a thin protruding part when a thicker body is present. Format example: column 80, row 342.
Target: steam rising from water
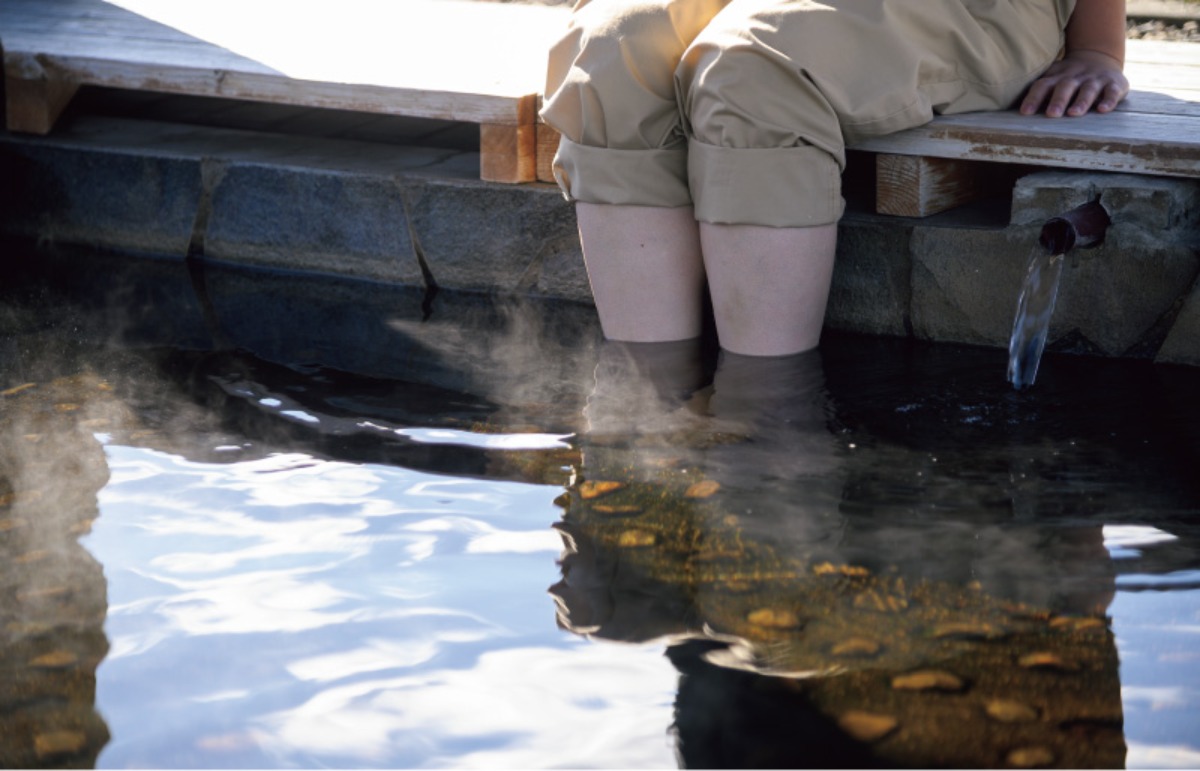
column 514, row 353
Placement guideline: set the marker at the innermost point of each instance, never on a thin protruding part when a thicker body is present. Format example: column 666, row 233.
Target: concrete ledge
column 416, row 220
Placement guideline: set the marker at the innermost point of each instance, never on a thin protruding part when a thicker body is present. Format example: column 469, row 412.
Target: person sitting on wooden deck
column 703, row 140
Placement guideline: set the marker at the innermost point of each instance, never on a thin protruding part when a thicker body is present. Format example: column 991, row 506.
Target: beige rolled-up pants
column 743, row 109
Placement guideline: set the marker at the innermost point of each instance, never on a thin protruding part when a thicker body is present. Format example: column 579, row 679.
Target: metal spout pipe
column 1080, row 228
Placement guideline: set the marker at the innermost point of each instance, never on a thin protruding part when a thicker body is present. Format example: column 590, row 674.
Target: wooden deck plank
column 266, row 86
column 79, row 54
column 1165, row 102
column 353, row 55
column 449, row 45
column 396, row 63
column 58, row 9
column 85, row 29
column 1125, row 142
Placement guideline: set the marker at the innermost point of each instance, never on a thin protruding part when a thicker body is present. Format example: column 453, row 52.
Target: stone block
column 1118, row 297
column 871, row 289
column 487, row 237
column 1153, row 203
column 139, row 202
column 1039, row 196
column 304, row 219
column 1111, row 299
column 1156, row 204
column 1115, row 295
column 965, row 283
column 563, row 274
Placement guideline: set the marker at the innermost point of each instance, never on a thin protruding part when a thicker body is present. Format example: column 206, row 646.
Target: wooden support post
column 34, row 96
column 918, row 186
column 547, row 146
column 508, row 153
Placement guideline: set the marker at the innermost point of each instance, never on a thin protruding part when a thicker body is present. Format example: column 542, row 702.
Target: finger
column 1084, row 98
column 1113, row 94
column 1036, row 96
column 1063, row 92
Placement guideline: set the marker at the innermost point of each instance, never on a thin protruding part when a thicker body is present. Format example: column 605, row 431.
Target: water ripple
column 292, row 610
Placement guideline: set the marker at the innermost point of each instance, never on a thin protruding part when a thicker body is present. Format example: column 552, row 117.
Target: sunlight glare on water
column 290, row 610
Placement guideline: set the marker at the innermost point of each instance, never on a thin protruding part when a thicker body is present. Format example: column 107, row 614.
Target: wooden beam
column 508, row 153
column 918, row 186
column 547, row 146
column 34, row 96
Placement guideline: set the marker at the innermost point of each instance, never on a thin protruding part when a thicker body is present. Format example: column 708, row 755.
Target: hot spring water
column 880, row 554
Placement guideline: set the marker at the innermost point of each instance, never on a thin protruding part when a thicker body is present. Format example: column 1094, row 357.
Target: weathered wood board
column 453, row 60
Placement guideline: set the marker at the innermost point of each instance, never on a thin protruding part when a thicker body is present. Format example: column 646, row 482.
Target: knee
column 611, row 80
column 759, row 81
column 609, row 44
column 735, row 91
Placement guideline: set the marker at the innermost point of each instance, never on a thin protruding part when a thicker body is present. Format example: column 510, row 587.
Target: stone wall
column 418, row 219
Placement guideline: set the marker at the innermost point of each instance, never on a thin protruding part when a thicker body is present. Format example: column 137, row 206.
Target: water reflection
column 365, row 587
column 349, row 591
column 810, row 624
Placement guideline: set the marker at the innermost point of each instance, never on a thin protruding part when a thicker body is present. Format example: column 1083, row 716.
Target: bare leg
column 645, row 268
column 769, row 286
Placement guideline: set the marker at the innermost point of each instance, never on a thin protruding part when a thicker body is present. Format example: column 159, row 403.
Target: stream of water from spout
column 1032, row 322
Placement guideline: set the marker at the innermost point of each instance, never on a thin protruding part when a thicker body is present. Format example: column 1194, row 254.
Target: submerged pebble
column 55, row 743
column 867, row 726
column 42, row 593
column 1010, row 711
column 830, row 569
column 883, row 603
column 1046, row 660
column 928, row 680
column 773, row 618
column 1076, row 622
column 595, row 488
column 30, row 557
column 17, row 389
column 1030, row 757
column 617, row 510
column 965, row 630
column 702, row 489
column 54, row 660
column 631, row 538
column 856, row 646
